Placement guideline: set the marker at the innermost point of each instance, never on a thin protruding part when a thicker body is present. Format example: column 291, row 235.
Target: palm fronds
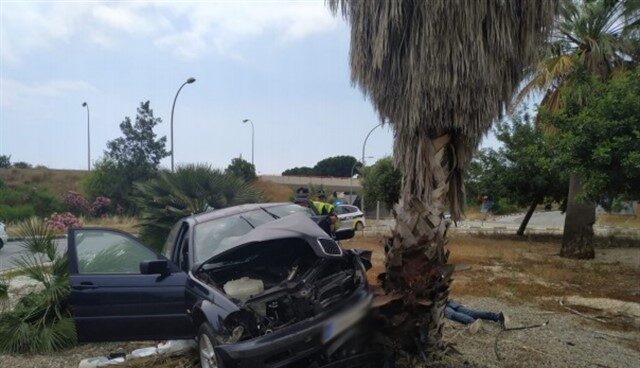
column 189, row 190
column 40, row 322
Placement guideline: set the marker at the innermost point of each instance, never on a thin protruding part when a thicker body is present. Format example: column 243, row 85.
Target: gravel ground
column 567, row 340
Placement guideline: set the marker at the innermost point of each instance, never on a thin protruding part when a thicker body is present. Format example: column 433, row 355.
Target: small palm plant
column 189, row 190
column 40, row 321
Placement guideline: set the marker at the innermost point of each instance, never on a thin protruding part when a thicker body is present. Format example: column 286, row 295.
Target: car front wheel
column 206, row 343
column 359, row 226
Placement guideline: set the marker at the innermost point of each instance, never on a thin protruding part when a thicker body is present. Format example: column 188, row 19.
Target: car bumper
column 283, row 348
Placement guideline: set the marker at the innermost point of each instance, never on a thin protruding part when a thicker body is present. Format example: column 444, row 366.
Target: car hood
column 296, row 225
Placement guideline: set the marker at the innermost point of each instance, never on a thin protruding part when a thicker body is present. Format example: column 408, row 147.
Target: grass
column 274, row 192
column 625, row 221
column 528, row 271
column 58, row 182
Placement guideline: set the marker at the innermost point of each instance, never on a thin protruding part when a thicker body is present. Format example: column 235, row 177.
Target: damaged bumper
column 318, row 337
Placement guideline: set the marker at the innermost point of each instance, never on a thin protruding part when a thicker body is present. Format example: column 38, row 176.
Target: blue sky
column 282, row 64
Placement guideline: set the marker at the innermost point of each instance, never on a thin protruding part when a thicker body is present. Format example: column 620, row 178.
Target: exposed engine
column 281, row 282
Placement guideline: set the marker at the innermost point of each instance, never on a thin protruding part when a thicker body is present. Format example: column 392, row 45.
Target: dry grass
column 274, row 192
column 526, row 271
column 57, row 181
column 626, row 221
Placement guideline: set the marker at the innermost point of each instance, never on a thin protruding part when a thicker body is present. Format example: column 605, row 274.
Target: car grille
column 330, row 247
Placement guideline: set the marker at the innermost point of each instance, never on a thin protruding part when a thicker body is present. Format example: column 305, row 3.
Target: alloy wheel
column 207, row 355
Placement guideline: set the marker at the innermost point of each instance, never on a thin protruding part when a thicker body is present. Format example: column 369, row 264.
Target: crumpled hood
column 296, row 225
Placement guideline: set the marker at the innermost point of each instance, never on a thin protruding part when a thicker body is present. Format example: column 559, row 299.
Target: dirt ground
column 597, row 324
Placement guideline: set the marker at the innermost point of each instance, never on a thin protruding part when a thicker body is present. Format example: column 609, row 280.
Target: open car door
column 122, row 290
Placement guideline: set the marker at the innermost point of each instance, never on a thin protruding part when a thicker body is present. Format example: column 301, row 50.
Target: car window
column 341, row 210
column 216, row 236
column 289, row 209
column 353, row 209
column 105, row 251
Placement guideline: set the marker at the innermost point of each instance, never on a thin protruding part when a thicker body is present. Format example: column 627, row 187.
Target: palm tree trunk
column 527, row 217
column 577, row 238
column 416, row 266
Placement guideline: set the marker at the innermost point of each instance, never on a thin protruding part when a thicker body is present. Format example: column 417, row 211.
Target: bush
column 16, row 213
column 190, row 189
column 63, row 221
column 504, row 207
column 76, row 203
column 100, row 207
column 41, row 321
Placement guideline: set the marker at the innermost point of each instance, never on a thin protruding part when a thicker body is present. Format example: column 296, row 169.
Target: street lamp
column 188, row 81
column 88, row 138
column 252, row 139
column 363, row 162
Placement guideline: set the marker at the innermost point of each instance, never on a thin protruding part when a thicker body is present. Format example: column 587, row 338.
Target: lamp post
column 188, row 81
column 363, row 162
column 252, row 139
column 88, row 138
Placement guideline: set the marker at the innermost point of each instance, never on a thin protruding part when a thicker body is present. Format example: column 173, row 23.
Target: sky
column 282, row 64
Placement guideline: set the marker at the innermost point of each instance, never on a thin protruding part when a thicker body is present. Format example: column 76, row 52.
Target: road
column 13, row 250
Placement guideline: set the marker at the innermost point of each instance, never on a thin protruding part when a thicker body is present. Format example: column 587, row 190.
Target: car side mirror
column 154, row 267
column 344, row 234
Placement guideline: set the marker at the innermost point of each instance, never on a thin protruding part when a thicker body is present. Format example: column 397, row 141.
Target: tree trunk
column 417, row 276
column 527, row 217
column 577, row 239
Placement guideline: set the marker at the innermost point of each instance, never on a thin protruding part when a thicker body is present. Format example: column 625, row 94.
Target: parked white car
column 350, row 217
column 3, row 235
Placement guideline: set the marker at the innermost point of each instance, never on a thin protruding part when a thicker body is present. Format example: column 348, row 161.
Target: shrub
column 503, row 207
column 100, row 207
column 41, row 321
column 62, row 221
column 10, row 213
column 190, row 189
column 76, row 203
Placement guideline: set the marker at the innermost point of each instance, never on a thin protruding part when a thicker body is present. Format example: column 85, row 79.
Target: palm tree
column 190, row 189
column 40, row 322
column 599, row 37
column 440, row 72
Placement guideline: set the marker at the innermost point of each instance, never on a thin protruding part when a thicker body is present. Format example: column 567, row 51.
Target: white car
column 350, row 217
column 3, row 236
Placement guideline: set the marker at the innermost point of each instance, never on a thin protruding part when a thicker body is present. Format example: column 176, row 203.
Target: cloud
column 187, row 29
column 13, row 91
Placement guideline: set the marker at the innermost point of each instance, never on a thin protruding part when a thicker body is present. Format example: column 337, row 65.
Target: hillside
column 57, row 182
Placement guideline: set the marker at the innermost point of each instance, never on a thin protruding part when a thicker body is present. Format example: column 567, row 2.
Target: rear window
column 289, row 209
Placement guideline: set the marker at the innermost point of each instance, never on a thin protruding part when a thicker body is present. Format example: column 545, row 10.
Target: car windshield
column 216, row 236
column 289, row 209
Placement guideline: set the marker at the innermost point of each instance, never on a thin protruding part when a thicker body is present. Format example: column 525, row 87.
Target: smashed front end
column 302, row 301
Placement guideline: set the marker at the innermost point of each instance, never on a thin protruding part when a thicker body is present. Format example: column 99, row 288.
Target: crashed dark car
column 258, row 285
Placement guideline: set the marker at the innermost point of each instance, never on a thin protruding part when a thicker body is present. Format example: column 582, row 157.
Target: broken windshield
column 216, row 236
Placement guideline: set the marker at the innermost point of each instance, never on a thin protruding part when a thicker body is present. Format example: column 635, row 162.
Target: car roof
column 230, row 211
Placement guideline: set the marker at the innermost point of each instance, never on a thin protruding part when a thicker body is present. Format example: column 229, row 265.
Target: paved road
column 13, row 250
column 547, row 219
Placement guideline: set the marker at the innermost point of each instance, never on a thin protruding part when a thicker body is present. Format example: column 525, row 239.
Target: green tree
column 242, row 169
column 5, row 161
column 22, row 165
column 337, row 166
column 133, row 157
column 381, row 182
column 189, row 190
column 299, row 171
column 598, row 136
column 522, row 171
column 440, row 72
column 599, row 37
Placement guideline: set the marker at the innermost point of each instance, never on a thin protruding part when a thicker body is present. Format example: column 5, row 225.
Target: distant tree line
column 337, row 166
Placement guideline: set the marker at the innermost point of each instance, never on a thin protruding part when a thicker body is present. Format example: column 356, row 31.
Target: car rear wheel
column 359, row 226
column 206, row 343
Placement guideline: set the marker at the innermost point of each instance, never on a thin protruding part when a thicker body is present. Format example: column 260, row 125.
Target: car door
column 123, row 290
column 346, row 221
